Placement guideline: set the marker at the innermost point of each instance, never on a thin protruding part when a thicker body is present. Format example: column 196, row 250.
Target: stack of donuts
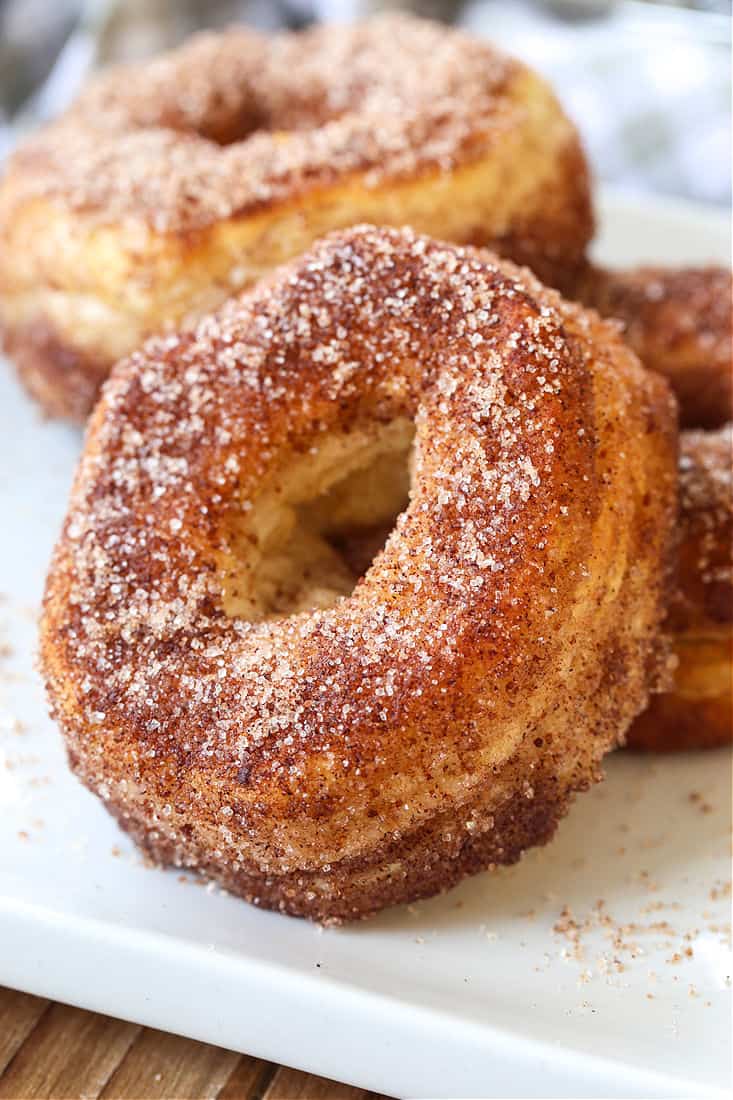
column 379, row 542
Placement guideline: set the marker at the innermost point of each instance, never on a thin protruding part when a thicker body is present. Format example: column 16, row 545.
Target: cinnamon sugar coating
column 235, row 121
column 437, row 720
column 679, row 322
column 697, row 712
column 171, row 184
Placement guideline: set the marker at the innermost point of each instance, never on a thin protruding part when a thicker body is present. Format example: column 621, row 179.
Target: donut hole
column 229, row 127
column 306, row 541
column 226, row 124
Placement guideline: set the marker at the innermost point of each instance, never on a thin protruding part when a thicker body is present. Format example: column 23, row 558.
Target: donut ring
column 329, row 754
column 678, row 321
column 697, row 712
column 170, row 185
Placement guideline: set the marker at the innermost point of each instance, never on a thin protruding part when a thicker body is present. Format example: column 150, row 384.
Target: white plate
column 478, row 993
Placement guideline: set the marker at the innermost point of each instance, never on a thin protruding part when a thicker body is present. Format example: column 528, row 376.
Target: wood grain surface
column 52, row 1051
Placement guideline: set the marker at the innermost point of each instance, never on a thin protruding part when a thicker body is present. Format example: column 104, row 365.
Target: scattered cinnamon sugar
column 628, row 941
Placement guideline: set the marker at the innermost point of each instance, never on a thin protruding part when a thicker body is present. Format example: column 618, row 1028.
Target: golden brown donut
column 678, row 321
column 328, row 745
column 172, row 184
column 697, row 712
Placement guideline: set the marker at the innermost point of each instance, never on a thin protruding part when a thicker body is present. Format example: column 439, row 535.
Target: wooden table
column 53, row 1052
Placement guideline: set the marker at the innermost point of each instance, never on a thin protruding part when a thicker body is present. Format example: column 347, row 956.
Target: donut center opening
column 231, row 127
column 309, row 538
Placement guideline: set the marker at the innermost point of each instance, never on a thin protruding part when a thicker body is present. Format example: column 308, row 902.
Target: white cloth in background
column 649, row 89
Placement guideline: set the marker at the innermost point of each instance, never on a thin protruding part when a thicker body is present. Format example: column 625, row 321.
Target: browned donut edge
column 433, row 860
column 62, row 379
column 696, row 711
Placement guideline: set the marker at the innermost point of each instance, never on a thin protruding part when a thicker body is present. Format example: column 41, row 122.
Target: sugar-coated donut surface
column 232, row 122
column 678, row 321
column 376, row 746
column 697, row 711
column 170, row 184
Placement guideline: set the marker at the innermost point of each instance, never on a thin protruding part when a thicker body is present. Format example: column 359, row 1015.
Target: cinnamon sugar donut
column 678, row 321
column 172, row 184
column 697, row 711
column 328, row 744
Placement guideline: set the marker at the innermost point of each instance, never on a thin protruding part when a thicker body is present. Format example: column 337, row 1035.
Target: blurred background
column 649, row 84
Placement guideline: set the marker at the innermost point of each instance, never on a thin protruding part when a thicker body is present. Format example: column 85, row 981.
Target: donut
column 320, row 739
column 170, row 185
column 678, row 321
column 697, row 711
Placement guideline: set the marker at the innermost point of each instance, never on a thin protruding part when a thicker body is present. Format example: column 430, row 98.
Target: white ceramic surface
column 487, row 991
